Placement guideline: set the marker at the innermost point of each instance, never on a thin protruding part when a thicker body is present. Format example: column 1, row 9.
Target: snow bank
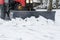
column 27, row 29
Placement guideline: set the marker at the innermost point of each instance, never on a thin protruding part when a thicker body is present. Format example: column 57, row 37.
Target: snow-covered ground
column 31, row 28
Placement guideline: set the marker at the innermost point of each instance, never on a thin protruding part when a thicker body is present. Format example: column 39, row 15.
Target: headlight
column 29, row 1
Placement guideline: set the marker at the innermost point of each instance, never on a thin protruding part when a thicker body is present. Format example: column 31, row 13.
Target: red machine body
column 23, row 2
column 2, row 2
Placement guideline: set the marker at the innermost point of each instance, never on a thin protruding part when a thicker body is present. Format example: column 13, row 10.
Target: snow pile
column 29, row 29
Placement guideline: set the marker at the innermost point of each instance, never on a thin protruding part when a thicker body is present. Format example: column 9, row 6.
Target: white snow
column 31, row 28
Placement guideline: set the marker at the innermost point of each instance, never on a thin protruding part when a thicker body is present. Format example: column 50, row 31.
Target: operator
column 4, row 9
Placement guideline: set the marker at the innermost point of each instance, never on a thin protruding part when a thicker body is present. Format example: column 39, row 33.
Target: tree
column 41, row 1
column 57, row 4
column 50, row 5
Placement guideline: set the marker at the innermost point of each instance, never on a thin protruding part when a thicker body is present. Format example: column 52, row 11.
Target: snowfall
column 31, row 28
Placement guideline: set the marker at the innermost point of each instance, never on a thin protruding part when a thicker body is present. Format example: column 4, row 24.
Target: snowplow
column 26, row 8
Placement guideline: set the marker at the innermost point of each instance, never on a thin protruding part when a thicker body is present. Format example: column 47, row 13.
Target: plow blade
column 25, row 14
